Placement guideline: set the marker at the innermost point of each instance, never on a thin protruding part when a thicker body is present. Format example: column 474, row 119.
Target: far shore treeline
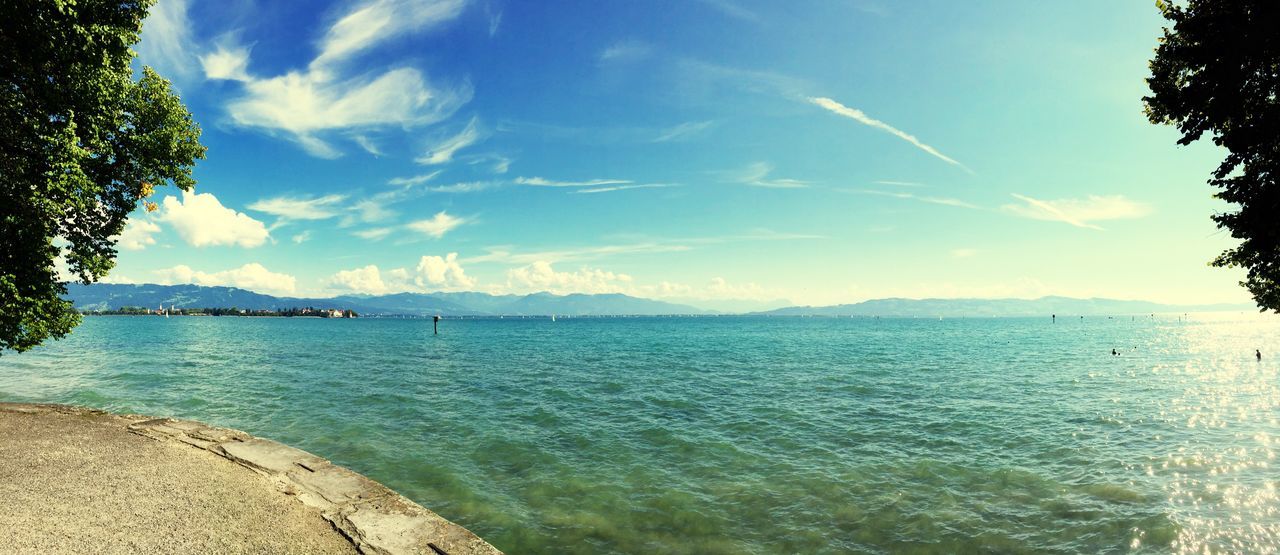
column 295, row 312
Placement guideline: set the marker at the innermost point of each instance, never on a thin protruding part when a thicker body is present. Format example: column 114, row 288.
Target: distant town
column 305, row 312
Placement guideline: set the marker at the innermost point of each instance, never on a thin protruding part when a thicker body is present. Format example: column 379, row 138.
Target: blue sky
column 728, row 153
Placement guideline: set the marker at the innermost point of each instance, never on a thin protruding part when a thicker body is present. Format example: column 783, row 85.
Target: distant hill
column 1044, row 306
column 110, row 296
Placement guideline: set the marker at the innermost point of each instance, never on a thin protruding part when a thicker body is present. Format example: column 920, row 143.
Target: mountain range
column 109, row 296
column 1043, row 306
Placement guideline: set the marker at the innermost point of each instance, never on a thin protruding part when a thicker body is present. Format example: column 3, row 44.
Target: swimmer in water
column 1114, row 353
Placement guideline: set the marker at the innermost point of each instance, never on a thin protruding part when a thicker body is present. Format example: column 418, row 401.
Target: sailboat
column 553, row 317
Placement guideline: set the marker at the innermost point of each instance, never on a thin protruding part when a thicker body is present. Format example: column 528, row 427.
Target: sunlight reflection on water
column 732, row 435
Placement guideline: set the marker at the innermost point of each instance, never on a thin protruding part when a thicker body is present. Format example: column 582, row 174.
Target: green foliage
column 1217, row 71
column 81, row 144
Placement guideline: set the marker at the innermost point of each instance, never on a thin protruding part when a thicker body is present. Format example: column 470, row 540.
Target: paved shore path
column 74, row 480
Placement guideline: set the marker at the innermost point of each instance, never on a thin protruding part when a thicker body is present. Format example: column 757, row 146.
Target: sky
column 731, row 154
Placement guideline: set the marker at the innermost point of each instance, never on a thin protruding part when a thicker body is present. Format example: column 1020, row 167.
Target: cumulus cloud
column 861, row 117
column 300, row 208
column 444, row 150
column 442, row 273
column 203, row 221
column 307, row 105
column 360, row 280
column 437, row 225
column 137, row 234
column 1078, row 212
column 252, row 276
column 541, row 276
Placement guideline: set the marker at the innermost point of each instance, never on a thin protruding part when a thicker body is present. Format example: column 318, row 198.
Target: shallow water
column 740, row 435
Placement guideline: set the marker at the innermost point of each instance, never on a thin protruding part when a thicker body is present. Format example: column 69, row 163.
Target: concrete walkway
column 74, row 480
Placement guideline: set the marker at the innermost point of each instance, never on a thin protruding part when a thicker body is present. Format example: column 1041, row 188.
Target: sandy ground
column 82, row 483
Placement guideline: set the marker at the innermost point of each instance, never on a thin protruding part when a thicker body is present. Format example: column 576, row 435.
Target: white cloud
column 757, row 175
column 378, row 21
column 367, row 144
column 415, row 180
column 372, row 210
column 292, row 208
column 253, row 277
column 732, row 9
column 1078, row 212
column 443, row 151
column 360, row 280
column 501, row 165
column 166, row 37
column 229, row 63
column 442, row 273
column 683, row 131
column 540, row 182
column 540, row 276
column 945, row 201
column 137, row 234
column 860, row 117
column 464, row 187
column 625, row 51
column 963, row 253
column 437, row 225
column 626, row 187
column 374, row 233
column 307, row 105
column 203, row 221
column 900, row 183
column 503, row 254
column 301, row 237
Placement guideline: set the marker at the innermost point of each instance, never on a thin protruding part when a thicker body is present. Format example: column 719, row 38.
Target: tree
column 1217, row 71
column 81, row 144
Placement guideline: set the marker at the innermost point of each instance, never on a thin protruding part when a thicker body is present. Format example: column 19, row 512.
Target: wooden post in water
column 435, row 324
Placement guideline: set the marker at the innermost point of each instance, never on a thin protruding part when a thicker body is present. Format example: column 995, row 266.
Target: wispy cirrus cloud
column 541, row 182
column 683, row 131
column 733, row 9
column 437, row 226
column 861, row 117
column 945, row 201
column 414, row 180
column 300, row 208
column 374, row 233
column 1078, row 212
column 309, row 106
column 443, row 151
column 507, row 253
column 625, row 51
column 757, row 174
column 626, row 187
column 167, row 38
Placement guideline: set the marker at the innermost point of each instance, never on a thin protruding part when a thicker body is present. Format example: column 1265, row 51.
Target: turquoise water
column 740, row 435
